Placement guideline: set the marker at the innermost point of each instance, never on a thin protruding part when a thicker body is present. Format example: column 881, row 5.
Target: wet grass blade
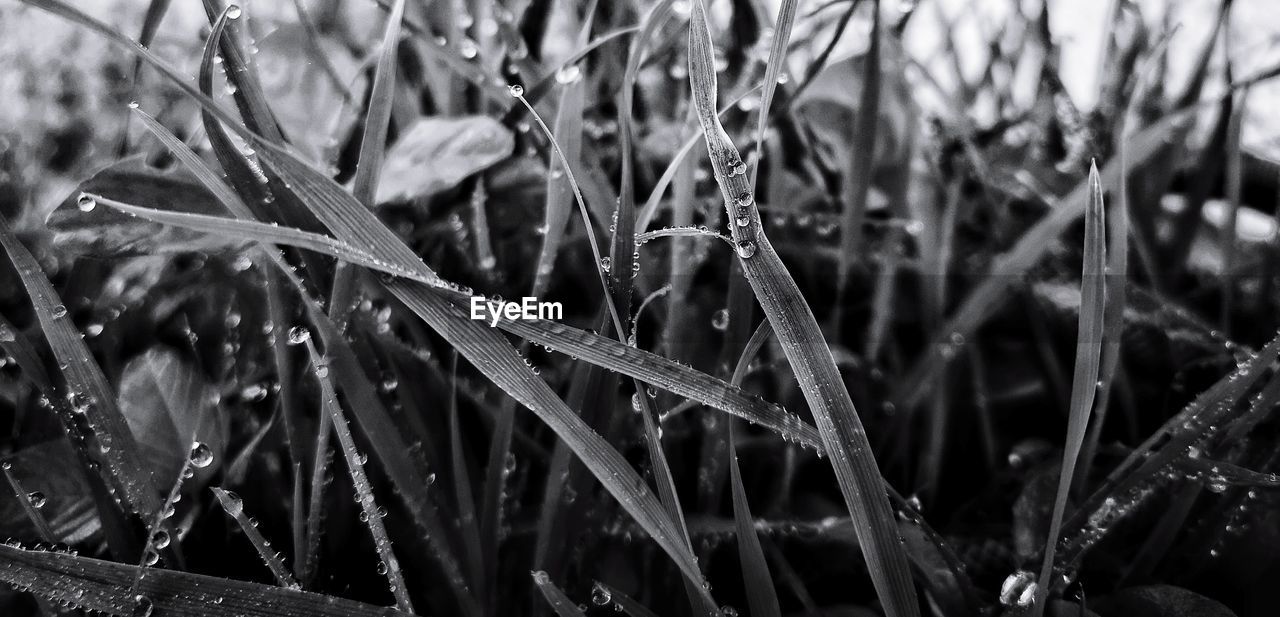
column 104, row 587
column 1084, row 385
column 246, row 90
column 601, row 351
column 234, row 507
column 87, row 390
column 371, row 513
column 628, row 604
column 560, row 603
column 488, row 351
column 28, row 502
column 762, row 598
column 801, row 340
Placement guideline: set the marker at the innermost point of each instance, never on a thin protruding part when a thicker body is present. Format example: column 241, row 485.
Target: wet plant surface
column 686, row 307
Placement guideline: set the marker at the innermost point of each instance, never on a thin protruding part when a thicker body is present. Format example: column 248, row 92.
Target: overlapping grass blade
column 87, row 391
column 103, row 587
column 801, row 340
column 1084, row 384
column 247, row 90
column 601, row 351
column 234, row 507
column 560, row 603
column 1132, row 482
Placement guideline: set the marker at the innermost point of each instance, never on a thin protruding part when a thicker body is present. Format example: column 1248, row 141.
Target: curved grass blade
column 267, row 233
column 560, row 603
column 104, row 587
column 246, row 90
column 601, row 351
column 801, row 340
column 88, row 391
column 1084, row 384
column 370, row 513
column 234, row 507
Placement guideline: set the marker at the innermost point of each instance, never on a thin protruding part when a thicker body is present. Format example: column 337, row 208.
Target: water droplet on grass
column 299, row 335
column 86, row 203
column 201, row 455
column 37, row 499
column 720, row 319
column 746, row 248
column 569, row 74
column 234, row 11
column 600, row 596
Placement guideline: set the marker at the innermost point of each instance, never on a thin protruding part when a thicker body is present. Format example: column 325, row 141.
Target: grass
column 855, row 402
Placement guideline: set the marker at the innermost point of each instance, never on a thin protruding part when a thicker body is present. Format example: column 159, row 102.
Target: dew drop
column 600, row 596
column 160, row 539
column 86, row 203
column 720, row 319
column 605, row 263
column 516, row 90
column 37, row 499
column 233, row 11
column 201, row 455
column 382, row 567
column 746, row 248
column 299, row 335
column 569, row 74
column 142, row 606
column 59, row 311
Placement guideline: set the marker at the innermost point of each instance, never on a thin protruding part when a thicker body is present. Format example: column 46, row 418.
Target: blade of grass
column 371, row 514
column 762, row 598
column 234, row 507
column 1132, row 482
column 247, row 90
column 88, row 392
column 601, row 351
column 462, row 486
column 372, row 151
column 27, row 501
column 857, row 185
column 104, row 587
column 797, row 331
column 353, row 223
column 560, row 603
column 1084, row 384
column 626, row 603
